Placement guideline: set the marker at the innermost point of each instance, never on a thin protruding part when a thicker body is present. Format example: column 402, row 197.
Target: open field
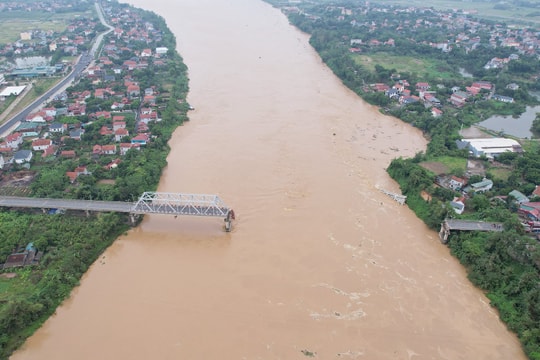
column 508, row 12
column 15, row 22
column 445, row 165
column 422, row 67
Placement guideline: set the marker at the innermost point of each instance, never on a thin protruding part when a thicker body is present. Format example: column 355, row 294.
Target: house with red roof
column 104, row 149
column 119, row 125
column 105, row 131
column 436, row 112
column 41, row 144
column 102, row 114
column 72, row 176
column 130, row 65
column 119, row 134
column 113, row 164
column 124, row 147
column 457, row 183
column 69, row 154
column 51, row 150
column 142, row 128
column 14, row 140
column 380, row 87
column 133, row 90
column 37, row 117
column 422, row 86
column 146, row 53
column 81, row 170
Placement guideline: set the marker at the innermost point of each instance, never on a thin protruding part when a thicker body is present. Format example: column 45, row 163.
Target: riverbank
column 69, row 243
column 430, row 202
column 313, row 264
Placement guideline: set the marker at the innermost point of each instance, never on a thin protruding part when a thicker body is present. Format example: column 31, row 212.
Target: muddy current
column 320, row 263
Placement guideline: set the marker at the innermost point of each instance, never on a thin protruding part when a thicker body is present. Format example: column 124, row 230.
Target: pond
column 519, row 127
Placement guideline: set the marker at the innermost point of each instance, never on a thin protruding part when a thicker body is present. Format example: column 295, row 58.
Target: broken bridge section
column 466, row 225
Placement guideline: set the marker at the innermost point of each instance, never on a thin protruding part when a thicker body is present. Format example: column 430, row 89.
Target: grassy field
column 422, row 67
column 15, row 22
column 509, row 12
column 500, row 173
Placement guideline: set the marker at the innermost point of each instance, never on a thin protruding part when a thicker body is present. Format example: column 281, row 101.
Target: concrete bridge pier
column 133, row 219
column 444, row 233
column 228, row 220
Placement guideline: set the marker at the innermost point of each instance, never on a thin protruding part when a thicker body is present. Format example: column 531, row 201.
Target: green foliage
column 72, row 243
column 535, row 127
column 70, row 246
column 501, row 263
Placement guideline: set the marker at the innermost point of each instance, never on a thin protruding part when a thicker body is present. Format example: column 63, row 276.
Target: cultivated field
column 421, row 66
column 508, row 11
column 15, row 22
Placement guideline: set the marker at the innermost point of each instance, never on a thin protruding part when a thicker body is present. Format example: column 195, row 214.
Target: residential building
column 22, row 156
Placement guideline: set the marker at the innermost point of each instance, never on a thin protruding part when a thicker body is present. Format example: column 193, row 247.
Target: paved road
column 81, row 64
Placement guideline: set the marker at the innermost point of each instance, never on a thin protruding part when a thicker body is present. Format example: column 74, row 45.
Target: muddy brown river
column 319, row 263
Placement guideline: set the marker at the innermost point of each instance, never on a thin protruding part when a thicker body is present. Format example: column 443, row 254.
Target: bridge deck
column 149, row 203
column 469, row 225
column 67, row 204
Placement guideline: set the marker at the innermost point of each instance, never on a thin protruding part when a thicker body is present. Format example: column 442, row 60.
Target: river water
column 319, row 261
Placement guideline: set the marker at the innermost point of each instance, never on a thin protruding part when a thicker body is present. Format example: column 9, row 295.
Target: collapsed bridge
column 149, row 203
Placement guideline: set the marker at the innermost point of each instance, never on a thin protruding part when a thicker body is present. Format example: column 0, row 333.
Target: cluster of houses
column 459, row 28
column 401, row 92
column 527, row 210
column 38, row 42
column 467, row 190
column 489, row 148
column 57, row 131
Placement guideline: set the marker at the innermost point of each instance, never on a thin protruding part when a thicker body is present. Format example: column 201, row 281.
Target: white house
column 161, row 50
column 2, row 162
column 480, row 187
column 120, row 133
column 22, row 156
column 41, row 144
column 57, row 128
column 458, row 205
column 14, row 140
column 50, row 112
column 457, row 183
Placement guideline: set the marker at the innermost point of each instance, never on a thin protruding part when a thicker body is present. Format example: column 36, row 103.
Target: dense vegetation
column 506, row 264
column 71, row 242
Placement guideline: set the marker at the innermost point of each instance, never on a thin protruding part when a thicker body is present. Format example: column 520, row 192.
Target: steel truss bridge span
column 149, row 203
